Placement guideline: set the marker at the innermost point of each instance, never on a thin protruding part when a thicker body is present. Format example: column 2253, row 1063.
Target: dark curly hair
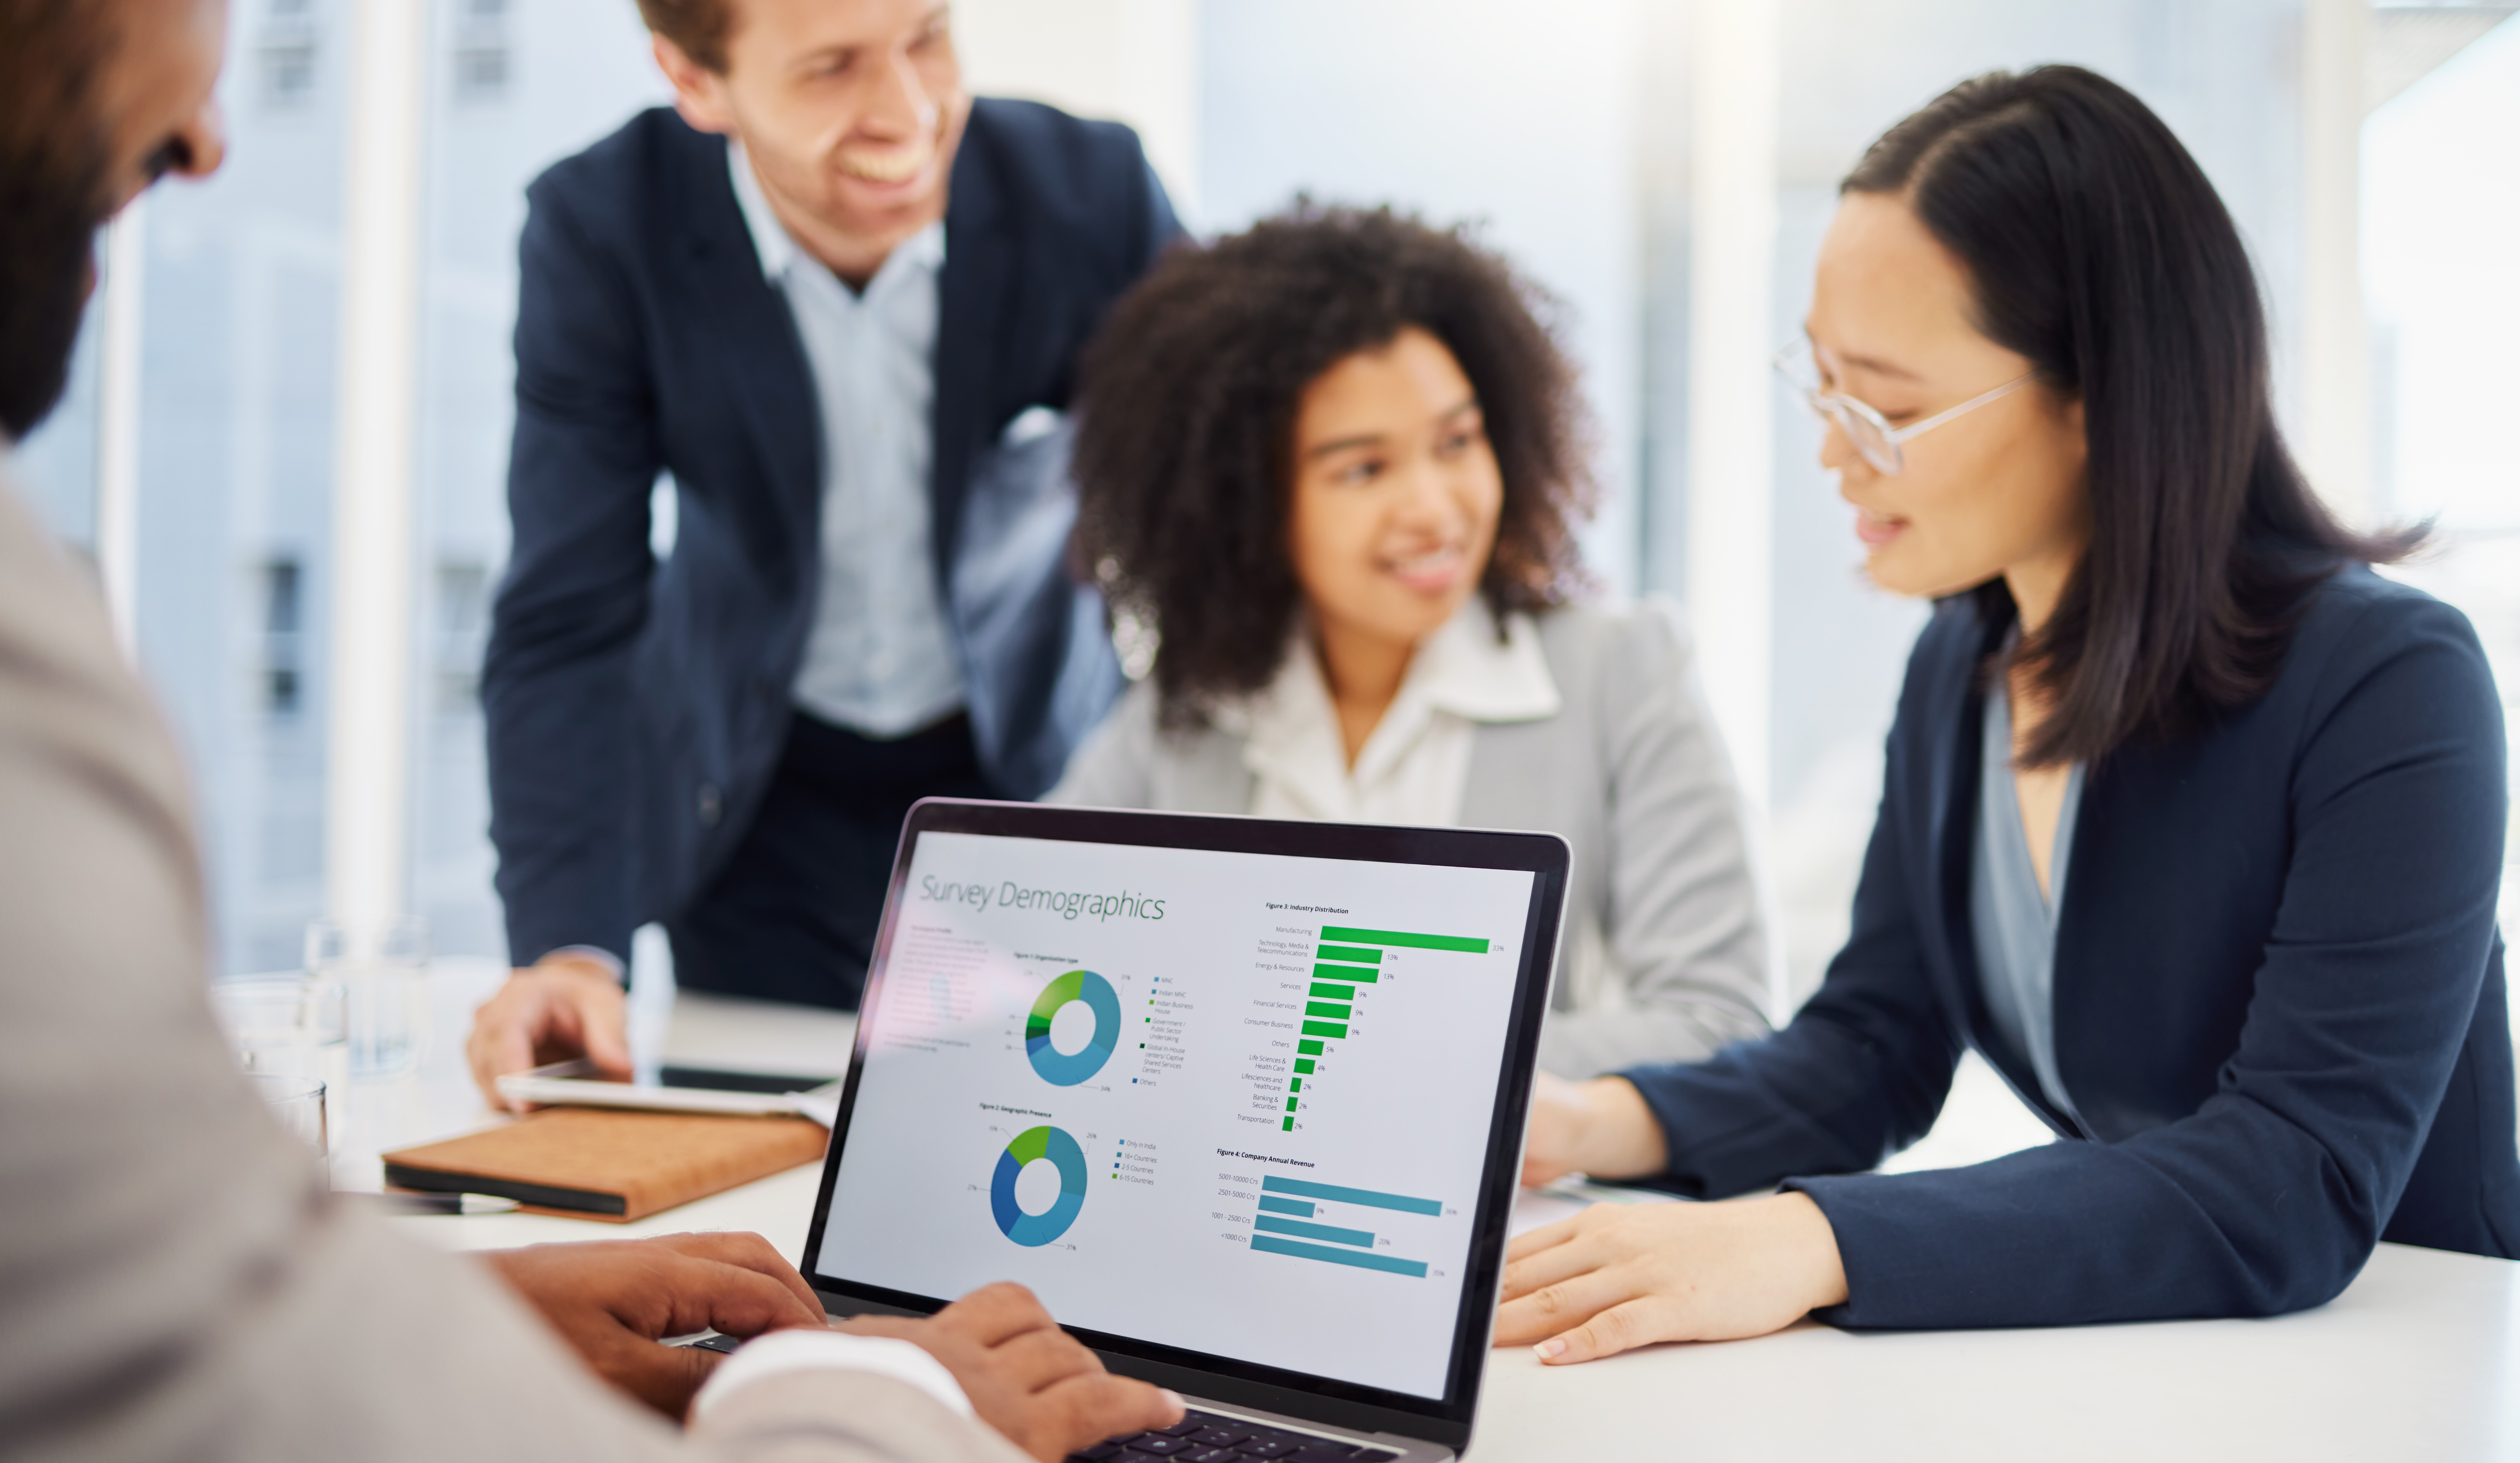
column 1186, row 420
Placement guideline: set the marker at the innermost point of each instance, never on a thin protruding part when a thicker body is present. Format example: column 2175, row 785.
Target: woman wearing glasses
column 1335, row 462
column 2191, row 824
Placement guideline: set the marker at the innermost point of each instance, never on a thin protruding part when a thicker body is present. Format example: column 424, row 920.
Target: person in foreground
column 174, row 1279
column 2191, row 824
column 1334, row 463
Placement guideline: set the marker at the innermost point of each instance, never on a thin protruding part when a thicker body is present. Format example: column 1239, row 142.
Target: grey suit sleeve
column 1682, row 926
column 1114, row 769
column 175, row 1282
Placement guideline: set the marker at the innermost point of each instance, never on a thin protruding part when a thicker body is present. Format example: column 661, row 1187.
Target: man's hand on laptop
column 614, row 1299
column 566, row 1006
column 1027, row 1378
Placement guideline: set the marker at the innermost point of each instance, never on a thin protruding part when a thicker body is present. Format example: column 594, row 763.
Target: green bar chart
column 1397, row 940
column 1346, row 959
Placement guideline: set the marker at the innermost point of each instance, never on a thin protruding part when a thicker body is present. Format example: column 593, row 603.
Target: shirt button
column 710, row 804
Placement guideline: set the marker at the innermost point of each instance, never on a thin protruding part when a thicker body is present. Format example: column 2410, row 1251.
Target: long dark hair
column 2097, row 249
column 1186, row 417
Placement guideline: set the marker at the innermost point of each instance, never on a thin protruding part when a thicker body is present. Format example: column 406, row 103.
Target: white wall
column 1128, row 60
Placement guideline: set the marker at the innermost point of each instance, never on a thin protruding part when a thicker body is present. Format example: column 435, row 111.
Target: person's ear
column 699, row 93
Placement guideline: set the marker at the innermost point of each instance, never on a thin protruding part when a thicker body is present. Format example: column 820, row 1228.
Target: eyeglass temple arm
column 1970, row 405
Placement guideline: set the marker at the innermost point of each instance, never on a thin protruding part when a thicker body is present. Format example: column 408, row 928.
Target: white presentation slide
column 1231, row 1102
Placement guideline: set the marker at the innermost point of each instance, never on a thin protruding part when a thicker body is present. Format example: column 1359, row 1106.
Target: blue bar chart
column 1305, row 1188
column 1290, row 1209
column 1363, row 1259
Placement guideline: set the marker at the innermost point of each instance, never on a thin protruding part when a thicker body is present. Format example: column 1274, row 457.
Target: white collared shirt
column 1417, row 765
column 879, row 659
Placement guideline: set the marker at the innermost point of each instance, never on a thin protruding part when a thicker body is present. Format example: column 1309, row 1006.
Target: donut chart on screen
column 1059, row 1069
column 1035, row 1229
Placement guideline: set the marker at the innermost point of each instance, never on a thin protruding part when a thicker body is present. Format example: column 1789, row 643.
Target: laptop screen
column 1226, row 1102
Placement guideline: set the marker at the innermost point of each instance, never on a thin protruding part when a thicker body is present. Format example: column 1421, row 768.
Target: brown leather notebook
column 592, row 1164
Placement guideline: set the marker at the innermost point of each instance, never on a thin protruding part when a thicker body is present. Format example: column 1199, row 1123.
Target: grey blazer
column 1664, row 958
column 174, row 1280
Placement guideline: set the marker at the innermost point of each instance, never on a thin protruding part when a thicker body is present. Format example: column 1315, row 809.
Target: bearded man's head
column 55, row 192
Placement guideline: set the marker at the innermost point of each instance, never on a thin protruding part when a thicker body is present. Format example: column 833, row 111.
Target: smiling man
column 838, row 301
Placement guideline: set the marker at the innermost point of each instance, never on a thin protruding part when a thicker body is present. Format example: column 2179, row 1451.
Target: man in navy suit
column 836, row 302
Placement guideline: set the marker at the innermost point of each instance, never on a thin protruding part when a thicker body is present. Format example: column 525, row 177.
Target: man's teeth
column 884, row 167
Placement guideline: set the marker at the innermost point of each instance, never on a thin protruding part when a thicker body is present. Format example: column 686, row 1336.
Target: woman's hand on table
column 1622, row 1275
column 566, row 1007
column 612, row 1300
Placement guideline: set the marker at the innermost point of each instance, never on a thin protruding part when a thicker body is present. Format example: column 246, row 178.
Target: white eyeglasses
column 1871, row 435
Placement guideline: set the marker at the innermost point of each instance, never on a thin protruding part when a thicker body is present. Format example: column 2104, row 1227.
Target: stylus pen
column 412, row 1203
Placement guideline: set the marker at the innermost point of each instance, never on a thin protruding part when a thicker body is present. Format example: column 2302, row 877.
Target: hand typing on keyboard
column 1025, row 1376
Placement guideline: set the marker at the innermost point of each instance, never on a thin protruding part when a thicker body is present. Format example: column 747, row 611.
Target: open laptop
column 1240, row 1100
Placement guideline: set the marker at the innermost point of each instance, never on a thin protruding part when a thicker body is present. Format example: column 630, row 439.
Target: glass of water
column 381, row 969
column 285, row 1026
column 298, row 1103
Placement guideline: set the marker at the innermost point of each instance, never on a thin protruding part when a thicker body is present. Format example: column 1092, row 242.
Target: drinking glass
column 382, row 968
column 298, row 1103
column 285, row 1026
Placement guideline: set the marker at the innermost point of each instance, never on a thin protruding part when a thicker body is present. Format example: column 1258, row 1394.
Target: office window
column 234, row 479
column 2438, row 213
column 462, row 615
column 482, row 73
column 284, row 613
column 481, row 52
column 285, row 55
column 564, row 74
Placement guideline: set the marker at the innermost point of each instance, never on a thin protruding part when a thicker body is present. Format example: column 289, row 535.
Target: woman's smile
column 1429, row 571
column 1877, row 530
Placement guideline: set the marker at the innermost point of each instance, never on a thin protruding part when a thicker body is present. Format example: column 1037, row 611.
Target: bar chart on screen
column 1357, row 974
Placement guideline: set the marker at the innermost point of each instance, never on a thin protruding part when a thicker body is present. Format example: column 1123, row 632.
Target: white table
column 2419, row 1360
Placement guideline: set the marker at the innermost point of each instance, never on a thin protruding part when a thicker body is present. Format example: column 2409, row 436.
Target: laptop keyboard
column 1205, row 1437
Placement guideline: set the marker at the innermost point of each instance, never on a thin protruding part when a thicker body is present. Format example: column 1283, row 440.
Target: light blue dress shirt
column 2012, row 924
column 881, row 657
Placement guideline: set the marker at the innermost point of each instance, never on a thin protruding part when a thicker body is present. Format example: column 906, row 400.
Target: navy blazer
column 637, row 710
column 2279, row 1002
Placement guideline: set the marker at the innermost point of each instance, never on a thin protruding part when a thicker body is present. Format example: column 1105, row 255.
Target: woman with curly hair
column 1333, row 461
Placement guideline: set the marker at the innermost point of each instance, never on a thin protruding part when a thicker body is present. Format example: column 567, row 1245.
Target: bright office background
column 1665, row 169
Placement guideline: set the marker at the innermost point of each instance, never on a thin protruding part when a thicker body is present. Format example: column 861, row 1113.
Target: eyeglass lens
column 1867, row 437
column 1800, row 365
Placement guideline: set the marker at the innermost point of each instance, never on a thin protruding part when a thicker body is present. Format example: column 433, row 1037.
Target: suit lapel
column 753, row 336
column 974, row 297
column 1951, row 771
